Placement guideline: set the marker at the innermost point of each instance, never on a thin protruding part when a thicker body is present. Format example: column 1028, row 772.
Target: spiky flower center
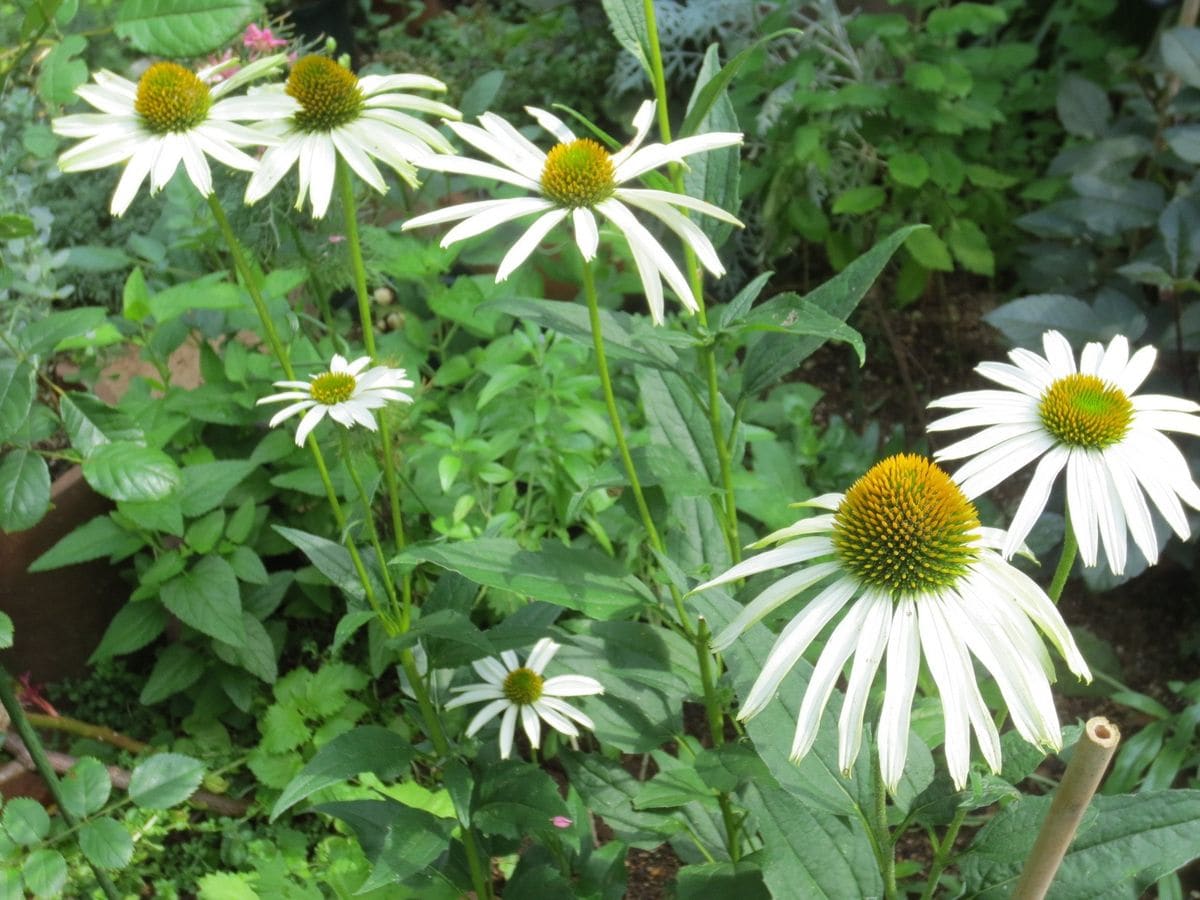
column 330, row 388
column 1084, row 411
column 329, row 95
column 171, row 98
column 906, row 527
column 523, row 686
column 578, row 174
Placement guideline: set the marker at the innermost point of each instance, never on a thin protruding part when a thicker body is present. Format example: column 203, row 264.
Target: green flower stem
column 354, row 247
column 696, row 279
column 885, row 850
column 482, row 883
column 372, row 532
column 1069, row 549
column 716, row 715
column 942, row 852
column 242, row 266
column 37, row 752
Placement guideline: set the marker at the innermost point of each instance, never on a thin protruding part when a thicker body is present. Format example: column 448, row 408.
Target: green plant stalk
column 358, row 266
column 715, row 714
column 1065, row 561
column 708, row 354
column 37, row 752
column 942, row 852
column 885, row 850
column 373, row 534
column 242, row 266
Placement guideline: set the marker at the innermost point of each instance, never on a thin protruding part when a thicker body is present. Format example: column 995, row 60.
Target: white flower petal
column 903, row 664
column 528, row 242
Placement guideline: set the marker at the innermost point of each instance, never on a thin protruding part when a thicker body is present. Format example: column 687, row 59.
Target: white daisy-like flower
column 918, row 577
column 172, row 115
column 1089, row 421
column 345, row 393
column 325, row 112
column 579, row 178
column 521, row 691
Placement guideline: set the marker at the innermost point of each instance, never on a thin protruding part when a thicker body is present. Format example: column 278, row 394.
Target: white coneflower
column 345, row 393
column 172, row 115
column 579, row 178
column 905, row 557
column 521, row 691
column 1090, row 422
column 326, row 112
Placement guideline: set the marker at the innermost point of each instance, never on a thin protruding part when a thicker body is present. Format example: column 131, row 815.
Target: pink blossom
column 225, row 71
column 561, row 822
column 261, row 40
column 336, row 238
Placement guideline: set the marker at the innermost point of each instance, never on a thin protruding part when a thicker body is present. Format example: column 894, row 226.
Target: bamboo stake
column 1092, row 755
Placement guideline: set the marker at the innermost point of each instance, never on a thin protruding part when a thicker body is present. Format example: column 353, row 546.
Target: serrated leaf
column 714, row 176
column 91, row 423
column 579, row 579
column 204, row 486
column 85, row 787
column 908, row 169
column 859, row 200
column 970, row 247
column 98, row 538
column 331, row 559
column 178, row 667
column 930, row 251
column 627, row 19
column 25, row 821
column 226, row 886
column 1180, row 48
column 165, row 780
column 16, row 395
column 61, row 73
column 106, row 843
column 399, row 840
column 207, row 598
column 183, row 27
column 45, row 873
column 368, row 748
column 24, row 490
column 1083, row 107
column 122, row 470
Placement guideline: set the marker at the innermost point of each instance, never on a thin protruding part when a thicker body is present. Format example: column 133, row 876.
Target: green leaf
column 1185, row 141
column 712, row 90
column 627, row 19
column 25, row 821
column 183, row 27
column 204, row 533
column 974, row 18
column 331, row 559
column 925, row 76
column 6, row 631
column 204, row 486
column 256, row 654
column 155, row 515
column 578, row 579
column 206, row 597
column 674, row 788
column 135, row 298
column 399, row 840
column 122, row 470
column 1179, row 226
column 61, row 73
column 1083, row 107
column 96, row 258
column 930, row 251
column 1133, row 839
column 808, row 852
column 85, row 787
column 970, row 247
column 226, row 886
column 859, row 200
column 24, row 490
column 516, row 800
column 13, row 226
column 987, row 177
column 1180, row 48
column 368, row 748
column 908, row 169
column 99, row 538
column 609, row 791
column 91, row 423
column 775, row 355
column 283, row 728
column 790, row 313
column 45, row 873
column 16, row 395
column 177, row 669
column 743, row 880
column 208, row 292
column 106, row 843
column 165, row 780
column 714, row 176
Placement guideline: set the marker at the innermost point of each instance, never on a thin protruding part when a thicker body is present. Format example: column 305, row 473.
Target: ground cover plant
column 478, row 533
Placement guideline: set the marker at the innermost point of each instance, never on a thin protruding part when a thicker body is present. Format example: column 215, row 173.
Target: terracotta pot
column 59, row 616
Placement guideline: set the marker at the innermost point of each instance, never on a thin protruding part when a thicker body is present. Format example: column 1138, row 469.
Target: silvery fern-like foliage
column 685, row 30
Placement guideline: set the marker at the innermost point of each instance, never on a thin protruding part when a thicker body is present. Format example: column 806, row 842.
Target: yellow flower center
column 171, row 98
column 578, row 174
column 1084, row 411
column 329, row 95
column 330, row 388
column 906, row 527
column 523, row 686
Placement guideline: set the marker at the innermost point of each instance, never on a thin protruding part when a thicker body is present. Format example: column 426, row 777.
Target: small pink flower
column 226, row 70
column 261, row 40
column 336, row 238
column 561, row 822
